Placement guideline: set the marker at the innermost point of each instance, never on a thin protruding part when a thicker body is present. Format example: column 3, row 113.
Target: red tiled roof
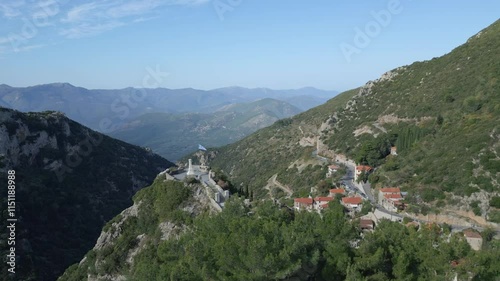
column 321, row 199
column 365, row 223
column 337, row 190
column 303, row 200
column 393, row 196
column 334, row 167
column 324, row 206
column 352, row 200
column 472, row 234
column 363, row 168
column 456, row 263
column 390, row 190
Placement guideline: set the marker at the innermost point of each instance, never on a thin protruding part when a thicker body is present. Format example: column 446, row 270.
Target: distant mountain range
column 94, row 108
column 171, row 122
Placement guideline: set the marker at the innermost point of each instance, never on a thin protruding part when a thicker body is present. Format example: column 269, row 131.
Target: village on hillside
column 369, row 210
column 363, row 205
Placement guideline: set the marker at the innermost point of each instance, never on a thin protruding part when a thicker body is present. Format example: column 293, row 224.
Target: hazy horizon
column 224, row 87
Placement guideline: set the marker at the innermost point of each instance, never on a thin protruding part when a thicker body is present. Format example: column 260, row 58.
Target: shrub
column 430, row 194
column 494, row 216
column 495, row 202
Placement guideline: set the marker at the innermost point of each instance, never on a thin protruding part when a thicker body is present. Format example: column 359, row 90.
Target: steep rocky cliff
column 70, row 180
column 163, row 211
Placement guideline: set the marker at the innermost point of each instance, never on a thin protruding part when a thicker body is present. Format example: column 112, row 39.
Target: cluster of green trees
column 410, row 135
column 374, row 150
column 269, row 242
column 272, row 243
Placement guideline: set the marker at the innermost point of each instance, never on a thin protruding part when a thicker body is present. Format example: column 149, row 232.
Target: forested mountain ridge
column 443, row 115
column 91, row 106
column 175, row 135
column 70, row 180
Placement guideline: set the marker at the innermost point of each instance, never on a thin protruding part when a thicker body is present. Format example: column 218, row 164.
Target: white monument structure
column 190, row 171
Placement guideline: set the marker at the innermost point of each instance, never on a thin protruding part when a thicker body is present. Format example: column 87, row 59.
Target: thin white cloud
column 80, row 13
column 87, row 19
column 141, row 7
column 30, row 47
column 87, row 29
column 115, row 9
column 188, row 2
column 100, row 16
column 144, row 19
column 133, row 8
column 11, row 9
column 7, row 49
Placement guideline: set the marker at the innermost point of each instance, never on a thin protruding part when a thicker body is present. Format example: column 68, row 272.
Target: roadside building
column 331, row 170
column 392, row 202
column 303, row 204
column 352, row 203
column 320, row 201
column 322, row 207
column 360, row 169
column 333, row 192
column 474, row 239
column 366, row 224
column 391, row 198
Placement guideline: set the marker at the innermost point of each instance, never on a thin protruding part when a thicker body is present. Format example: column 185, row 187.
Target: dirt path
column 300, row 128
column 378, row 126
column 275, row 182
column 457, row 218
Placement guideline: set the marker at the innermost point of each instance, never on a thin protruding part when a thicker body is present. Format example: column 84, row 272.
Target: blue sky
column 206, row 44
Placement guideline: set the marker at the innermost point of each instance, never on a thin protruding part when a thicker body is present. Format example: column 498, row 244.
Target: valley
column 126, row 154
column 171, row 122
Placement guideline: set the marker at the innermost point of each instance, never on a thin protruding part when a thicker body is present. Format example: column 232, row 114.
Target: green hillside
column 161, row 238
column 443, row 115
column 253, row 160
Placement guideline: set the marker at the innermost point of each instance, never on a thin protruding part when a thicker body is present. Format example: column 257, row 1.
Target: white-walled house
column 303, row 204
column 331, row 170
column 474, row 239
column 361, row 169
column 319, row 202
column 391, row 198
column 352, row 203
column 333, row 192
